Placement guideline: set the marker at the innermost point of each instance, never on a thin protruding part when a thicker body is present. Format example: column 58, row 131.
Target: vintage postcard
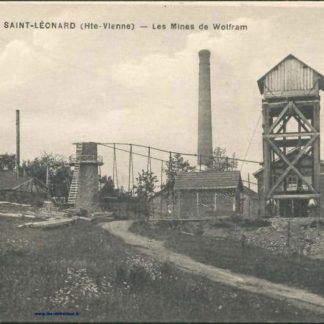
column 161, row 162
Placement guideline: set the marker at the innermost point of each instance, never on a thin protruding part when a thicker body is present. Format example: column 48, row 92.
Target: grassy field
column 298, row 271
column 82, row 268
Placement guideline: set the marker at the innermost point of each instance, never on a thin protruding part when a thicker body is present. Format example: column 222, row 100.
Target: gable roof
column 260, row 81
column 9, row 181
column 208, row 180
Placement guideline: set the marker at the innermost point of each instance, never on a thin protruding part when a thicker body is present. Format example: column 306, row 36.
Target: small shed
column 22, row 189
column 208, row 193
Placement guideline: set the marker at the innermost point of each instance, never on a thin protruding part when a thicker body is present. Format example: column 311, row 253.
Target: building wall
column 250, row 206
column 210, row 202
column 162, row 205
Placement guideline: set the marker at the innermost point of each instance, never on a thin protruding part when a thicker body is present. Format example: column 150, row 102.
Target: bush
column 255, row 223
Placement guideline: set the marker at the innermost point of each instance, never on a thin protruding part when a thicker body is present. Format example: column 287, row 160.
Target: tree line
column 55, row 171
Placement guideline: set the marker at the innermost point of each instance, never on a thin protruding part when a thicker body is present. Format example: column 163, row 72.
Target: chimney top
column 204, row 54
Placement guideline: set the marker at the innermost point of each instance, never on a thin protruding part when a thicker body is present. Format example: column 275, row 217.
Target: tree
column 108, row 188
column 176, row 166
column 59, row 173
column 7, row 162
column 144, row 189
column 221, row 162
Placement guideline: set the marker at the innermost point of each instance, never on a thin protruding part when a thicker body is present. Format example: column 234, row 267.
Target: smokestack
column 17, row 141
column 205, row 142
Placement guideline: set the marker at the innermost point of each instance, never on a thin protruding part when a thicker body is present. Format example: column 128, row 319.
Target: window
column 292, row 183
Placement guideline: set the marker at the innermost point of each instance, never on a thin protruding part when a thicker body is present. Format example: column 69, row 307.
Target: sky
column 141, row 86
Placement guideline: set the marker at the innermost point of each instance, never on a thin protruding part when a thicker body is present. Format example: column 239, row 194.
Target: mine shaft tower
column 291, row 139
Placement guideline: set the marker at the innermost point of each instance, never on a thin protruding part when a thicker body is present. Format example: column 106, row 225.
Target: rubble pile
column 285, row 236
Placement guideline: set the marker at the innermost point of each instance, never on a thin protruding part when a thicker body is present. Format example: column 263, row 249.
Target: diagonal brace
column 282, row 114
column 302, row 117
column 291, row 164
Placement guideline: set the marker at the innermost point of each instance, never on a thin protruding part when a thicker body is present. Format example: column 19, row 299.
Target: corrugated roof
column 208, row 180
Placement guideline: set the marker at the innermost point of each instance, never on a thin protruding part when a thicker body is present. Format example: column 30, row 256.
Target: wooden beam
column 297, row 196
column 282, row 114
column 291, row 142
column 302, row 117
column 266, row 159
column 316, row 150
column 284, row 123
column 297, row 102
column 301, row 123
column 290, row 134
column 291, row 164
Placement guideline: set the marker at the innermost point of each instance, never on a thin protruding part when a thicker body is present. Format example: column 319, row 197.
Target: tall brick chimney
column 205, row 142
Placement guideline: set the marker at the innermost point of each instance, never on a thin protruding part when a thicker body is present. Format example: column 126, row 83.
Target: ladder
column 74, row 188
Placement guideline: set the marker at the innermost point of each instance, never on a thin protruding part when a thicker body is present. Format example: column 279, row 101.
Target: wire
column 181, row 153
column 169, row 162
column 250, row 142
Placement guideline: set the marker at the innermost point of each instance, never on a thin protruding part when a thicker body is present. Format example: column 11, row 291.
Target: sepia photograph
column 161, row 162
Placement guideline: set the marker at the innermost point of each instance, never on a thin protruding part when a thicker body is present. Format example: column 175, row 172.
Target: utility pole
column 249, row 186
column 17, row 142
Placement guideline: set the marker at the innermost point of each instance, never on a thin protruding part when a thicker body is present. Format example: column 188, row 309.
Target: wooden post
column 316, row 154
column 17, row 142
column 215, row 202
column 266, row 159
column 197, row 203
column 249, row 186
column 179, row 203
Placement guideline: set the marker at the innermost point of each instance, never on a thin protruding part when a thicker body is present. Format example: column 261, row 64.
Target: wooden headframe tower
column 291, row 135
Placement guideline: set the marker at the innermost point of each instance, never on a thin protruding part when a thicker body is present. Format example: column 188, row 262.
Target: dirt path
column 155, row 248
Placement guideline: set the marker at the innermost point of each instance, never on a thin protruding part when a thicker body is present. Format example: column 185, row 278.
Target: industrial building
column 291, row 174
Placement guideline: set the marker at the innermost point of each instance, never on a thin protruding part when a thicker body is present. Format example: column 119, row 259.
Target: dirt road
column 155, row 248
